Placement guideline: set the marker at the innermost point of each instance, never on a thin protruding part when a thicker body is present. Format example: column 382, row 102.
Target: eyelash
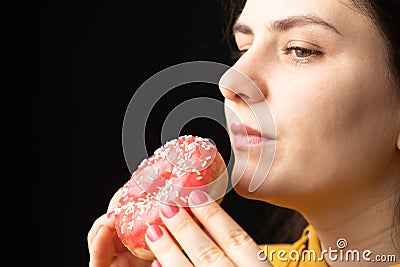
column 314, row 54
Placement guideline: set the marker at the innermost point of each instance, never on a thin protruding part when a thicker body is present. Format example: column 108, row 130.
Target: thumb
column 102, row 248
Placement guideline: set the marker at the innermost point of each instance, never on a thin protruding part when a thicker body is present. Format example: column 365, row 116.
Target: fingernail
column 154, row 233
column 110, row 214
column 169, row 210
column 156, row 264
column 198, row 197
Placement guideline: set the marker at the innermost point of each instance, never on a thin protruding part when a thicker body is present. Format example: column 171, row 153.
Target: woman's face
column 320, row 66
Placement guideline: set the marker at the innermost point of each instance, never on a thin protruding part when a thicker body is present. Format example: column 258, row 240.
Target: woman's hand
column 226, row 243
column 105, row 248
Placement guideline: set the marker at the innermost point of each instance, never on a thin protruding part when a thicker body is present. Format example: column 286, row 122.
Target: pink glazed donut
column 177, row 168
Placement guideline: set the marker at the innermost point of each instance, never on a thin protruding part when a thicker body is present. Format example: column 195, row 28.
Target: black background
column 71, row 68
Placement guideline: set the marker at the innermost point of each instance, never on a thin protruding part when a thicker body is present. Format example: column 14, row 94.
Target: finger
column 104, row 220
column 127, row 259
column 230, row 237
column 201, row 250
column 102, row 248
column 120, row 261
column 156, row 263
column 164, row 248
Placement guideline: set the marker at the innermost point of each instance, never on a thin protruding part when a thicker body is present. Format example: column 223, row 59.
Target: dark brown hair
column 385, row 14
column 231, row 10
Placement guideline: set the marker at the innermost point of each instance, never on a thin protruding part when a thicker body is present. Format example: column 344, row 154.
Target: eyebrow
column 287, row 24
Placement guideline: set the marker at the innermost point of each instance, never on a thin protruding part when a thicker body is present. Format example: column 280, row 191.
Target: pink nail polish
column 110, row 214
column 156, row 264
column 169, row 210
column 154, row 233
column 198, row 197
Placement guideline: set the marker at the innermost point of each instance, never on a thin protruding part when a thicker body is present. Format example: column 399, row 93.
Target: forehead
column 258, row 14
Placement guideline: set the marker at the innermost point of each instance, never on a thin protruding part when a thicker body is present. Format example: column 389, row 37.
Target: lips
column 243, row 129
column 246, row 137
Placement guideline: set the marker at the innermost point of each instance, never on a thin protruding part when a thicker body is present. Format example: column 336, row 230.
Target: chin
column 251, row 172
column 276, row 190
column 243, row 178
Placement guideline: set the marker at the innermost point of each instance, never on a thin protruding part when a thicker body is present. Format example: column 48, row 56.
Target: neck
column 363, row 219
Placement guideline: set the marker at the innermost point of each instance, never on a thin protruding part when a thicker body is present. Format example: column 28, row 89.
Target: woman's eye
column 300, row 54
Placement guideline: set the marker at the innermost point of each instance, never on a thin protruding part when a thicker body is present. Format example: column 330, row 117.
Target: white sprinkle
column 191, row 153
column 199, row 178
column 123, row 228
column 158, row 151
column 130, row 226
column 142, row 163
column 180, row 174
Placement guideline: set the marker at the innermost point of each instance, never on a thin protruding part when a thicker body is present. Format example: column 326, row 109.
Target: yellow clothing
column 305, row 252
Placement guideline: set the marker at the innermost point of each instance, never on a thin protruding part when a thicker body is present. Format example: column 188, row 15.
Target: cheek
column 328, row 128
column 315, row 110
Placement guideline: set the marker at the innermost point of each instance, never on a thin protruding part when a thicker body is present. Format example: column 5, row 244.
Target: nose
column 242, row 82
